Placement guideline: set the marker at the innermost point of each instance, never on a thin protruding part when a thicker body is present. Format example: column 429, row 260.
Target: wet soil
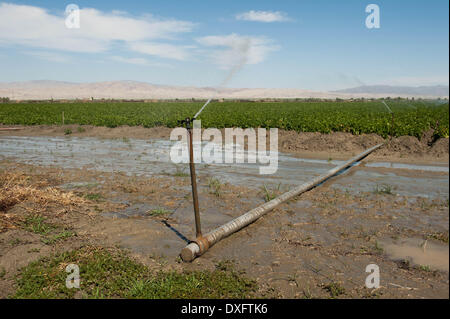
column 380, row 211
column 323, row 237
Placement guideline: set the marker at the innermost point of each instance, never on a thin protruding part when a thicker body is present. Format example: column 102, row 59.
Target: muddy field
column 337, row 145
column 114, row 187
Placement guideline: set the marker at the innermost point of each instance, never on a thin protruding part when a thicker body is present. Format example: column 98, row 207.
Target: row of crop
column 409, row 118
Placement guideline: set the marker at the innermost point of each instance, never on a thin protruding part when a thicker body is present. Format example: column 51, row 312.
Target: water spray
column 392, row 118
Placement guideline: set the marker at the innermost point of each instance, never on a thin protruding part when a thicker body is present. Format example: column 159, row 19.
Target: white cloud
column 36, row 27
column 161, row 49
column 138, row 61
column 48, row 56
column 263, row 16
column 237, row 49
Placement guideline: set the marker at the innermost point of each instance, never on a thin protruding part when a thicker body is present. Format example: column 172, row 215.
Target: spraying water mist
column 239, row 52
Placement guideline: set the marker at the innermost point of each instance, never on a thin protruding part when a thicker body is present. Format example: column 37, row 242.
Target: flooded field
column 393, row 214
column 137, row 157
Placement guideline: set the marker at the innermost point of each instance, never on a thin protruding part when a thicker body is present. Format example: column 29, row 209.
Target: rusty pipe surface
column 199, row 246
column 198, row 228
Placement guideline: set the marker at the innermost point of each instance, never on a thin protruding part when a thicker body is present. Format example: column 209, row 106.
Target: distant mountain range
column 435, row 90
column 44, row 90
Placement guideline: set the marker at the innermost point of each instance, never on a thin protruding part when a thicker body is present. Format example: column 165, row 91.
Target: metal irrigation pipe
column 189, row 122
column 201, row 245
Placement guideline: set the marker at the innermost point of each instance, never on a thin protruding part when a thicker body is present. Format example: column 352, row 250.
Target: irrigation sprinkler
column 392, row 117
column 189, row 122
column 199, row 246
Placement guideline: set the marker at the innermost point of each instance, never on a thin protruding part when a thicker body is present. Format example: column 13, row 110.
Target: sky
column 307, row 44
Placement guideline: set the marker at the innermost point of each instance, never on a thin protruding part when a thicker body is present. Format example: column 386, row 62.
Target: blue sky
column 316, row 45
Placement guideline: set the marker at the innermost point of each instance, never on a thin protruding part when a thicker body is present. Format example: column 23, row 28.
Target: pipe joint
column 203, row 245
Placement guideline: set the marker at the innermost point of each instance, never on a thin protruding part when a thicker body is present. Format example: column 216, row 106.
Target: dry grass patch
column 16, row 188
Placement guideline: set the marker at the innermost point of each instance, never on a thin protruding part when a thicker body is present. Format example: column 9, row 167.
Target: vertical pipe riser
column 198, row 229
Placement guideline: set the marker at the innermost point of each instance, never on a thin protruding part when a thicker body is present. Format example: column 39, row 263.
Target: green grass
column 425, row 268
column 50, row 233
column 36, row 224
column 215, row 187
column 270, row 194
column 96, row 197
column 63, row 235
column 113, row 274
column 180, row 172
column 67, row 131
column 356, row 117
column 159, row 212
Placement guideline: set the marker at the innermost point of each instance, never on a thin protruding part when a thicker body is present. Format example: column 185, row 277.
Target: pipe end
column 189, row 252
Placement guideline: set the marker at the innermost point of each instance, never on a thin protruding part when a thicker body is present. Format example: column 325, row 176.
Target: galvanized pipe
column 200, row 245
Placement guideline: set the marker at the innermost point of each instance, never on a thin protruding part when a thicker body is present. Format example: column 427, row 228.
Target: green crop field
column 357, row 117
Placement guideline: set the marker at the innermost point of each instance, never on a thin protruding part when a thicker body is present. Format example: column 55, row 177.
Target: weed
column 159, row 212
column 37, row 225
column 179, row 172
column 215, row 187
column 270, row 194
column 335, row 289
column 49, row 240
column 425, row 268
column 81, row 129
column 94, row 196
column 67, row 131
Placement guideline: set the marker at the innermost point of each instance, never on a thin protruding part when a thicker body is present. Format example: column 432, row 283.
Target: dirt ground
column 337, row 145
column 314, row 246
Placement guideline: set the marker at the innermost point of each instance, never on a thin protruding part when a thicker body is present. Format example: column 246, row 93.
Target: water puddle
column 151, row 157
column 428, row 168
column 427, row 255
